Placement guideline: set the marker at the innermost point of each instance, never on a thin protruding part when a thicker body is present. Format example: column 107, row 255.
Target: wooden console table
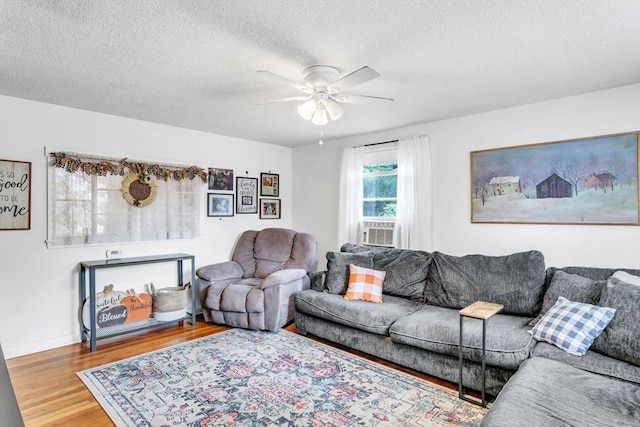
column 92, row 333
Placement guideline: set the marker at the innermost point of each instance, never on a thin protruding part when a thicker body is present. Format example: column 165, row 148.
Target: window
column 387, row 186
column 90, row 208
column 380, row 185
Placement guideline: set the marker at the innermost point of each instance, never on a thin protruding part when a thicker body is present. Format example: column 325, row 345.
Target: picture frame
column 219, row 204
column 269, row 184
column 220, row 179
column 15, row 195
column 269, row 208
column 246, row 195
column 586, row 181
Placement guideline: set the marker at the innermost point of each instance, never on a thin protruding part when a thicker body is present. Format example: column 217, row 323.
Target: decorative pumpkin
column 139, row 189
column 138, row 306
column 105, row 299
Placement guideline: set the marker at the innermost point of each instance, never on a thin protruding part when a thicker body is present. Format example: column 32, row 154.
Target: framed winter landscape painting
column 581, row 181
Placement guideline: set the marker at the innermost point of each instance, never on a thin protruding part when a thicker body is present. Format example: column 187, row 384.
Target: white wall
column 39, row 286
column 316, row 175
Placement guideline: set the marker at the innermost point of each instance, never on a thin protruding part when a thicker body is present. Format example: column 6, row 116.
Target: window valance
column 105, row 166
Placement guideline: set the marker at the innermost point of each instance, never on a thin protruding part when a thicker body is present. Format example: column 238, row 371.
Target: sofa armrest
column 220, row 271
column 281, row 277
column 317, row 280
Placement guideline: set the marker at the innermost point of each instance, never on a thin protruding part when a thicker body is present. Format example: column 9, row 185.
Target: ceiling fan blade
column 289, row 99
column 354, row 79
column 291, row 83
column 361, row 99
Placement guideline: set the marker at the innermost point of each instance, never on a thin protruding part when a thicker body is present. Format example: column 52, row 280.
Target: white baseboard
column 41, row 345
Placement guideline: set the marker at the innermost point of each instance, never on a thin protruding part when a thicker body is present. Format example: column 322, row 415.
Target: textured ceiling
column 193, row 63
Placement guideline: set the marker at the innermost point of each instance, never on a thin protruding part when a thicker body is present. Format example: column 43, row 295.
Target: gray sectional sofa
column 417, row 326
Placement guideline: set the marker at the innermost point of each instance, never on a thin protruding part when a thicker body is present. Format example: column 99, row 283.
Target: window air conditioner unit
column 377, row 233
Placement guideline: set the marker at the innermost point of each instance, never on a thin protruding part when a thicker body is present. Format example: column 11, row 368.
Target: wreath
column 139, row 189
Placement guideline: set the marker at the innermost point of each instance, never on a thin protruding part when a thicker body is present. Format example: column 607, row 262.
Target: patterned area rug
column 249, row 378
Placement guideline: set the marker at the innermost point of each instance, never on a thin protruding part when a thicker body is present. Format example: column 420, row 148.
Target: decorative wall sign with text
column 15, row 195
column 246, row 195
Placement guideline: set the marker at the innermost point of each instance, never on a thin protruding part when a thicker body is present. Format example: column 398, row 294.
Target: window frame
column 385, row 155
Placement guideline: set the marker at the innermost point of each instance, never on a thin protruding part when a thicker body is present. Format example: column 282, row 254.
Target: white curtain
column 350, row 205
column 89, row 209
column 414, row 212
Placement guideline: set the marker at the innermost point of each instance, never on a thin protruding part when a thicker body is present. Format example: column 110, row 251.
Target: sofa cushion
column 406, row 272
column 437, row 329
column 516, row 281
column 365, row 284
column 626, row 277
column 359, row 249
column 406, row 269
column 621, row 339
column 571, row 286
column 592, row 361
column 547, row 393
column 374, row 318
column 572, row 326
column 338, row 270
column 593, row 273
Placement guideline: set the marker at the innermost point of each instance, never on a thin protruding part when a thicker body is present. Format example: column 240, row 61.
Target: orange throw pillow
column 365, row 284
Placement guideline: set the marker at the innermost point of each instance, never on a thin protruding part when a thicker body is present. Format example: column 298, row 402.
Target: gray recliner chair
column 255, row 289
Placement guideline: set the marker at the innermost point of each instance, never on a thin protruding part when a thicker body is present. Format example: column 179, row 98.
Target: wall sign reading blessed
column 15, row 195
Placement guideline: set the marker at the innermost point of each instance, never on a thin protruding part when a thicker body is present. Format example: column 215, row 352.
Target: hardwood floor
column 49, row 392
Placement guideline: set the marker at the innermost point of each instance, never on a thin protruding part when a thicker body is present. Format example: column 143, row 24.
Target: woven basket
column 170, row 299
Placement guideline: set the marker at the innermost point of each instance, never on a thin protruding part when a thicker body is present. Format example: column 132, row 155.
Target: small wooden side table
column 483, row 311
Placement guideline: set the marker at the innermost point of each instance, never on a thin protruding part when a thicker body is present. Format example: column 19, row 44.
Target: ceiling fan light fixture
column 324, row 91
column 320, row 116
column 334, row 109
column 307, row 109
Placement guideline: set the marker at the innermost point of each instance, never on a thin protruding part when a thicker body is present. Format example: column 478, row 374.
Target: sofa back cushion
column 573, row 287
column 406, row 272
column 337, row 278
column 621, row 339
column 516, row 281
column 593, row 273
column 406, row 269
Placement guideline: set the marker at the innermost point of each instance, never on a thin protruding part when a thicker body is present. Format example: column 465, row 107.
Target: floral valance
column 102, row 167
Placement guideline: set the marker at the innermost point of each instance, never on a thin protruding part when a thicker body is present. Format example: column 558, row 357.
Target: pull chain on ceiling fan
column 325, row 91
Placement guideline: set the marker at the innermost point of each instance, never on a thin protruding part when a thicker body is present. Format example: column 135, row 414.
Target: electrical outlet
column 114, row 253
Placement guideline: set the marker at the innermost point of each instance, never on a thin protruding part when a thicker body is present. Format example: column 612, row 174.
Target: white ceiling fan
column 325, row 91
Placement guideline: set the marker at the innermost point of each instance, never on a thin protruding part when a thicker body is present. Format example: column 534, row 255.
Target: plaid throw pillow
column 365, row 284
column 572, row 326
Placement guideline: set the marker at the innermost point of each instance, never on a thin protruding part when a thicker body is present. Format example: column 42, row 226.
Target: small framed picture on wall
column 269, row 208
column 220, row 204
column 270, row 184
column 220, row 179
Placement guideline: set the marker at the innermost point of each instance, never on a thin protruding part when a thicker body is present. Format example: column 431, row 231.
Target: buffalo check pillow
column 572, row 326
column 365, row 284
